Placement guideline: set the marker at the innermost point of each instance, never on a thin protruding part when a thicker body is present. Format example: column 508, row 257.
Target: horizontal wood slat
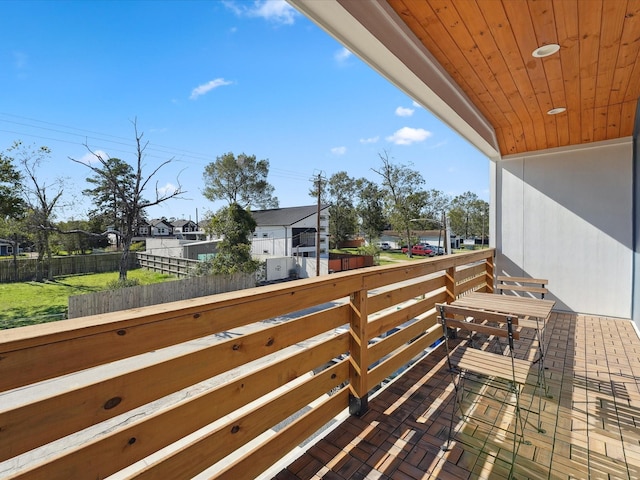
column 475, row 326
column 398, row 317
column 478, row 315
column 384, row 300
column 535, row 281
column 388, row 344
column 258, row 460
column 44, row 420
column 403, row 356
column 115, row 451
column 25, row 362
column 492, row 365
column 205, row 451
column 521, row 288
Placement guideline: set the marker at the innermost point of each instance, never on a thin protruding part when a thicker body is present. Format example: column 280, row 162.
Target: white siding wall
column 277, row 240
column 566, row 215
column 271, row 241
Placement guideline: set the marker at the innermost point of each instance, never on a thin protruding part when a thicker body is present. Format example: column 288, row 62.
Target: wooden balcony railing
column 172, row 390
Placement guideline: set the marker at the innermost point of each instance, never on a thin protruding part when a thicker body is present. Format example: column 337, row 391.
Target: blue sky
column 204, row 78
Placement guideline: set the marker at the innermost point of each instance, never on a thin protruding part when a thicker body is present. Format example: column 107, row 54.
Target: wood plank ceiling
column 486, row 46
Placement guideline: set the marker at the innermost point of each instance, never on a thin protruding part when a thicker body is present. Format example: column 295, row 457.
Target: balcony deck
column 592, row 421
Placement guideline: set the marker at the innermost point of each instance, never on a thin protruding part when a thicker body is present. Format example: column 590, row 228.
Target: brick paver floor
column 591, row 421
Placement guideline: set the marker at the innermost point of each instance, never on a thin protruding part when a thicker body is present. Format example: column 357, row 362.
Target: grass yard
column 29, row 303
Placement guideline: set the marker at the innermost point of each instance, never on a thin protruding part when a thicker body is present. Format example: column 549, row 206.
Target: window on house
column 303, row 237
column 265, row 235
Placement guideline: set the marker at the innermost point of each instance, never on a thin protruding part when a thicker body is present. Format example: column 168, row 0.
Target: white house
column 160, row 227
column 184, row 226
column 286, row 232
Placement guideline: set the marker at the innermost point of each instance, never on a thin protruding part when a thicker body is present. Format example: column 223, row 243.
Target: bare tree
column 401, row 185
column 42, row 199
column 130, row 194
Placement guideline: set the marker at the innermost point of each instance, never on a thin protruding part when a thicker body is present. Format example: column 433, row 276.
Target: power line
column 82, row 138
column 104, row 137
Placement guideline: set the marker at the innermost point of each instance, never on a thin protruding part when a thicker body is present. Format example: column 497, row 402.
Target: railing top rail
column 324, row 289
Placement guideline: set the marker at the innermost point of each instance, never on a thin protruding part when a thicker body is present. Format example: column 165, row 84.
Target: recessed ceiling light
column 555, row 111
column 546, row 50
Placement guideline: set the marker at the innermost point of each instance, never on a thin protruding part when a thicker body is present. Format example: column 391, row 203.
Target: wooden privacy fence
column 180, row 267
column 59, row 266
column 339, row 262
column 145, row 295
column 177, row 389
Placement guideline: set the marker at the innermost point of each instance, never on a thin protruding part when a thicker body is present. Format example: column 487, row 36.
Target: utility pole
column 318, row 181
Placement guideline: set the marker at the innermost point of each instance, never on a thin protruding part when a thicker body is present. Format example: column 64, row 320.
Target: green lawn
column 32, row 302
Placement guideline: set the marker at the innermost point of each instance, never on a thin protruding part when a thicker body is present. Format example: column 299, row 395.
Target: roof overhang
column 474, row 64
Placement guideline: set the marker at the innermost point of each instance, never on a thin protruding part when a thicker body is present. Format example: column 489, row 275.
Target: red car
column 423, row 250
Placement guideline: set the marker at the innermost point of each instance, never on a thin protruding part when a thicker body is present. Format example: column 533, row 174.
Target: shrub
column 118, row 284
column 138, row 247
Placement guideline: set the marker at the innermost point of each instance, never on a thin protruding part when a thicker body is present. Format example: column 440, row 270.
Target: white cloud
column 369, row 140
column 342, row 55
column 90, row 158
column 416, row 104
column 339, row 150
column 408, row 135
column 404, row 112
column 168, row 189
column 277, row 11
column 207, row 87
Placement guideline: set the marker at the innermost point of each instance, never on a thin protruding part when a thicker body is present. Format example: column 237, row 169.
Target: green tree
column 467, row 214
column 436, row 203
column 241, row 180
column 343, row 217
column 129, row 193
column 12, row 206
column 234, row 225
column 80, row 236
column 370, row 209
column 402, row 187
column 242, row 183
column 11, row 201
column 106, row 195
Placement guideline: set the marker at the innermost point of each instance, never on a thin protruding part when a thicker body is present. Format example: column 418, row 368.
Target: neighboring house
column 184, row 226
column 188, row 230
column 287, row 232
column 432, row 237
column 144, row 229
column 161, row 227
column 6, row 247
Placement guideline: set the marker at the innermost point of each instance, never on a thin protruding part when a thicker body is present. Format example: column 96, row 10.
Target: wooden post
column 358, row 398
column 490, row 273
column 450, row 283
